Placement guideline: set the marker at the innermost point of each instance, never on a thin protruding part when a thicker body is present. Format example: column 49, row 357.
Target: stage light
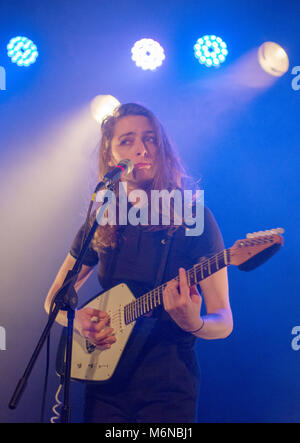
column 103, row 106
column 22, row 51
column 210, row 50
column 147, row 54
column 273, row 59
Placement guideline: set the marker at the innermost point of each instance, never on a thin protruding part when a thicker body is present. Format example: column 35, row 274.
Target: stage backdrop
column 237, row 130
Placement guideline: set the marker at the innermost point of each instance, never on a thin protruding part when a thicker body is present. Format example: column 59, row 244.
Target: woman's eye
column 147, row 139
column 126, row 141
column 150, row 139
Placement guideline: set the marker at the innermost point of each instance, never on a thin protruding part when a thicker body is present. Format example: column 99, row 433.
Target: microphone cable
column 58, row 402
column 53, row 419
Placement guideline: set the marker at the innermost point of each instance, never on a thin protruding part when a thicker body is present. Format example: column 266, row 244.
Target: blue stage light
column 210, row 50
column 147, row 54
column 22, row 51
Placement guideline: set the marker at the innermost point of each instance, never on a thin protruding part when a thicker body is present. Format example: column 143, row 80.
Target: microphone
column 123, row 168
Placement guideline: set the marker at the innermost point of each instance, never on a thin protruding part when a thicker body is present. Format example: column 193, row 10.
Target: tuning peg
column 252, row 235
column 280, row 231
column 255, row 234
column 276, row 231
column 264, row 233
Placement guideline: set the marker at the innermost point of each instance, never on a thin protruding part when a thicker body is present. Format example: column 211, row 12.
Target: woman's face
column 135, row 139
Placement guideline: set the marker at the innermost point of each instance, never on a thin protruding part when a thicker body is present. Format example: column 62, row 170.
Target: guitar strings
column 214, row 260
column 197, row 267
column 144, row 304
column 141, row 305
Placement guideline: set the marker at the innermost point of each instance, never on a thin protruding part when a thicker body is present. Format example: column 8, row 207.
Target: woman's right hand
column 94, row 326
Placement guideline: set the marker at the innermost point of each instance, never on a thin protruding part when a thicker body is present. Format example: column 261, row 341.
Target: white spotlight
column 147, row 54
column 102, row 106
column 273, row 59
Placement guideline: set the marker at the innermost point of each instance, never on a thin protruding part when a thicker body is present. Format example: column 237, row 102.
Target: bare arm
column 218, row 322
column 184, row 305
column 91, row 323
column 67, row 265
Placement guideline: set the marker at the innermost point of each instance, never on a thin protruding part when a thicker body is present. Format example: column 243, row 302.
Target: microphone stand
column 66, row 299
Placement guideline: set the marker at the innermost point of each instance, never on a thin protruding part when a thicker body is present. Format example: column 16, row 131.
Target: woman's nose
column 140, row 148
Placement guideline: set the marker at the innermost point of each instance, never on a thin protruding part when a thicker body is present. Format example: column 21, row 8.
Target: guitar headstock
column 258, row 247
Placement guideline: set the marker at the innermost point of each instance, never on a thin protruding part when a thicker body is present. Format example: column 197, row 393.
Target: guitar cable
column 57, row 405
column 58, row 402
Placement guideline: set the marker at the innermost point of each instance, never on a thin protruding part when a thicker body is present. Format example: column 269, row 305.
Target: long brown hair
column 170, row 173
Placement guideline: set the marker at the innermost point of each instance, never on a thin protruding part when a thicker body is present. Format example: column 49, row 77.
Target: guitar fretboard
column 152, row 299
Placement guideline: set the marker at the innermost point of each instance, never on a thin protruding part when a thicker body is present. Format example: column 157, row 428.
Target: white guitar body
column 95, row 364
column 88, row 361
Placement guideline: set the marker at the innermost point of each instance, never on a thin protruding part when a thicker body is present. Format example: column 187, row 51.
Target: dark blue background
column 241, row 140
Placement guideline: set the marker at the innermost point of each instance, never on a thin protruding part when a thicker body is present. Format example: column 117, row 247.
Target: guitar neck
column 153, row 299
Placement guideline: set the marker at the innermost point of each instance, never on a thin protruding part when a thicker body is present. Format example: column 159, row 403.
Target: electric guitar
column 90, row 363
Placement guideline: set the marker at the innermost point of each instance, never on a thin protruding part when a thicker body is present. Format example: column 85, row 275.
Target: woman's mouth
column 142, row 166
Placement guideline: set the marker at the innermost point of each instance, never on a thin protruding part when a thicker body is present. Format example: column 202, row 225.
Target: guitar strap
column 162, row 266
column 134, row 348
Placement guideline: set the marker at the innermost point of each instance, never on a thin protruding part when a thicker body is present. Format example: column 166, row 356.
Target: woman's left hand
column 183, row 303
